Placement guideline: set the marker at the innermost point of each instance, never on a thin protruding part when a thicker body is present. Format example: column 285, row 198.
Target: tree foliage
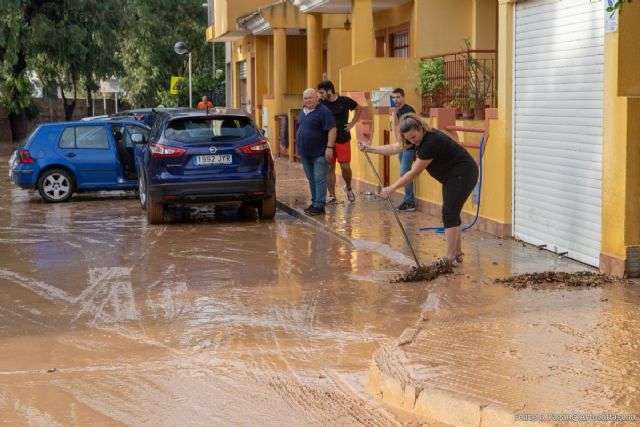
column 153, row 27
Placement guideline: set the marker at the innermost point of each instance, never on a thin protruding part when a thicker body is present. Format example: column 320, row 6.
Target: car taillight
column 24, row 157
column 259, row 147
column 160, row 150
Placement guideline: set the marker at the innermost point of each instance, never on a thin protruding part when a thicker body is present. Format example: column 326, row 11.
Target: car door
column 136, row 137
column 92, row 154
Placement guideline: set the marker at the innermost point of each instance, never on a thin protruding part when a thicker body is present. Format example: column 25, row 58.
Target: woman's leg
column 453, row 237
column 454, row 193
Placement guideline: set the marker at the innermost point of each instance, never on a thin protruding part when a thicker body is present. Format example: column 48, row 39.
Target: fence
column 471, row 75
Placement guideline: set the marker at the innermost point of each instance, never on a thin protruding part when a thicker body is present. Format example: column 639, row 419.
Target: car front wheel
column 55, row 185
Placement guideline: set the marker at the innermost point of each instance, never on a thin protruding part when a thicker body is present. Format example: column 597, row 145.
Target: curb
column 297, row 213
column 439, row 405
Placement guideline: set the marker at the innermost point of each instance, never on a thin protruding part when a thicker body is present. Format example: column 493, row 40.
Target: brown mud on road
column 558, row 279
column 425, row 273
column 105, row 320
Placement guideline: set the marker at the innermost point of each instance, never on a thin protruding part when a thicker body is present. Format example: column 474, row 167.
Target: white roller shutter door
column 558, row 101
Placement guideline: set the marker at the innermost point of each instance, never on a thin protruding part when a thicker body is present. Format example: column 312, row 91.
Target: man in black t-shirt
column 406, row 157
column 340, row 107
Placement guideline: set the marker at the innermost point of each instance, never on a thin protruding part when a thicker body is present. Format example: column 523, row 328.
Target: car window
column 155, row 130
column 197, row 129
column 137, row 135
column 84, row 137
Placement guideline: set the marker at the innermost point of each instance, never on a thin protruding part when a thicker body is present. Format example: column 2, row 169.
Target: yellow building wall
column 441, row 26
column 392, row 17
column 290, row 102
column 338, row 45
column 228, row 11
column 264, row 82
column 621, row 133
column 629, row 51
column 296, row 64
column 484, row 24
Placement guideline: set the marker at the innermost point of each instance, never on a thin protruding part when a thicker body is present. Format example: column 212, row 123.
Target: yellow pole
column 362, row 36
column 314, row 49
column 279, row 69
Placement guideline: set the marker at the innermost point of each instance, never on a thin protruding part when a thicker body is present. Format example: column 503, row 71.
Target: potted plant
column 431, row 80
column 461, row 103
column 480, row 78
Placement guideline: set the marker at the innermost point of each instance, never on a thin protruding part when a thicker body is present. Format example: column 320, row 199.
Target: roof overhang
column 341, row 6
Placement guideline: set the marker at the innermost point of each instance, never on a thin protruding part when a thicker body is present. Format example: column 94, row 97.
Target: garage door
column 558, row 91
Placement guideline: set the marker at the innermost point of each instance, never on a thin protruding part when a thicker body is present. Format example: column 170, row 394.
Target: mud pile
column 560, row 279
column 425, row 272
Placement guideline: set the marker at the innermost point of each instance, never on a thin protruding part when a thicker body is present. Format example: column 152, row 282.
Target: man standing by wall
column 340, row 107
column 205, row 104
column 315, row 142
column 406, row 157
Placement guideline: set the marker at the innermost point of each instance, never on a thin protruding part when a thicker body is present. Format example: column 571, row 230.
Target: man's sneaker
column 313, row 211
column 308, row 207
column 406, row 207
column 331, row 200
column 350, row 195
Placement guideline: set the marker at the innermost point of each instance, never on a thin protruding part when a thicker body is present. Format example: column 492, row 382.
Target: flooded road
column 105, row 320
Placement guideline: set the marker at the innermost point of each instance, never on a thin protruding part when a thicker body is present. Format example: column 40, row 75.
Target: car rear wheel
column 56, row 185
column 267, row 207
column 155, row 212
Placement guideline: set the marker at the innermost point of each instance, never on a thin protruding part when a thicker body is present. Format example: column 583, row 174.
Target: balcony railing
column 471, row 74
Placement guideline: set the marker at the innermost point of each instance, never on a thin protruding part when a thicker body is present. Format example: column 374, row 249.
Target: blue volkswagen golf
column 60, row 159
column 195, row 158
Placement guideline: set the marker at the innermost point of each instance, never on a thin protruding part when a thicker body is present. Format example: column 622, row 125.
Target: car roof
column 95, row 122
column 225, row 112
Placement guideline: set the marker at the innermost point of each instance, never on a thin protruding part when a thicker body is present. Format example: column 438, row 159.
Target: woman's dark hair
column 411, row 121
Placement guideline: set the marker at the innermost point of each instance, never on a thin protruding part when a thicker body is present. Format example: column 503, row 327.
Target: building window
column 393, row 41
column 399, row 44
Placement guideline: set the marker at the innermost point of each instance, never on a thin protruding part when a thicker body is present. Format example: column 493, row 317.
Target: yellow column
column 279, row 69
column 314, row 49
column 498, row 172
column 362, row 35
column 620, row 250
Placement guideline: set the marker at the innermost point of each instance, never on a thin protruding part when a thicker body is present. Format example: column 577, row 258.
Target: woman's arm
column 385, row 150
column 418, row 166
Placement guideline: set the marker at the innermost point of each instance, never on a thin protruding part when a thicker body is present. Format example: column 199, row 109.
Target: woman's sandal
column 460, row 257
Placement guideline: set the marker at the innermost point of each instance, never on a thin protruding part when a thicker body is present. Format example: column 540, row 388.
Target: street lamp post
column 181, row 48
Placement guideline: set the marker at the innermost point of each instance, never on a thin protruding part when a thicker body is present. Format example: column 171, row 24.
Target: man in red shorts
column 340, row 107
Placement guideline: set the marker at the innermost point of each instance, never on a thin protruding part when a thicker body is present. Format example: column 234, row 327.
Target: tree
column 16, row 17
column 74, row 46
column 152, row 29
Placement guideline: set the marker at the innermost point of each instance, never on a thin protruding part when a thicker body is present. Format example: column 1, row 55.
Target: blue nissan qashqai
column 195, row 158
column 59, row 159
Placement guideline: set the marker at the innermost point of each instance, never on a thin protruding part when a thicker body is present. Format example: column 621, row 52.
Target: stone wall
column 53, row 111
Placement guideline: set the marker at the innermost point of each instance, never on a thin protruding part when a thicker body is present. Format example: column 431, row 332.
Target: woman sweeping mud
column 446, row 161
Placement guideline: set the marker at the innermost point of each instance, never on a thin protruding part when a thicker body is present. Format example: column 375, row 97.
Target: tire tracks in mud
column 326, row 403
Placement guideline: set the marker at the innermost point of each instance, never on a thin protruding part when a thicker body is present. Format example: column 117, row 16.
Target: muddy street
column 105, row 320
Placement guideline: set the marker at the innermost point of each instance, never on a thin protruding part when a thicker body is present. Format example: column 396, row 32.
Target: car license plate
column 212, row 159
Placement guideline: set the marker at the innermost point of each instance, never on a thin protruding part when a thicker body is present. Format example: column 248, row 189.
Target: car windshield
column 196, row 129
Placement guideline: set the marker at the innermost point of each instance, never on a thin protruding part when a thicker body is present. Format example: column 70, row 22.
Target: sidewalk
column 482, row 354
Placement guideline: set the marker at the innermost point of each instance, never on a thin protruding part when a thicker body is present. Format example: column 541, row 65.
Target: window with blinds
column 400, row 44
